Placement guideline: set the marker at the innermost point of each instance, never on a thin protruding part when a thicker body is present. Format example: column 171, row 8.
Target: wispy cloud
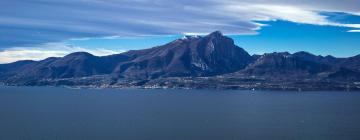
column 34, row 22
column 354, row 31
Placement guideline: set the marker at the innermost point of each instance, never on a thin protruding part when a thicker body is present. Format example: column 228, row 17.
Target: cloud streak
column 354, row 31
column 34, row 22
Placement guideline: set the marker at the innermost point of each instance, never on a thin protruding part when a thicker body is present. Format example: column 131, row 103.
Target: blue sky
column 286, row 36
column 36, row 29
column 278, row 36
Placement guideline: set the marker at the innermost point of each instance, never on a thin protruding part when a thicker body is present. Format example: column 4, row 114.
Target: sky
column 37, row 29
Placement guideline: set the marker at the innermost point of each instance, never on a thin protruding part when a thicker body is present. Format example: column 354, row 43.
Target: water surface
column 44, row 113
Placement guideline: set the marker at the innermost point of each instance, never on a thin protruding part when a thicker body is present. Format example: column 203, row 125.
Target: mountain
column 285, row 65
column 193, row 61
column 75, row 65
column 213, row 54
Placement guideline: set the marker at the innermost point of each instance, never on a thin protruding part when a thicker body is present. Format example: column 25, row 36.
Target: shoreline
column 181, row 88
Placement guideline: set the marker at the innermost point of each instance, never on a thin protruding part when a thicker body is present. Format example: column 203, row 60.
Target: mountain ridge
column 213, row 56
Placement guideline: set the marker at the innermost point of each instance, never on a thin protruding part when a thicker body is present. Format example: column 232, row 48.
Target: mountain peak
column 216, row 34
column 190, row 37
column 303, row 53
column 79, row 54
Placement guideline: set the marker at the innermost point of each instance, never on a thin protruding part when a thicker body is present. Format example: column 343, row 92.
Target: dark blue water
column 42, row 113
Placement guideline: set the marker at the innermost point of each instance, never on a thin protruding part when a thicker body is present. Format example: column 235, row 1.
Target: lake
column 48, row 113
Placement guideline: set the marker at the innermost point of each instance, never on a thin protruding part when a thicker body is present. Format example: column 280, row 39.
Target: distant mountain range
column 211, row 61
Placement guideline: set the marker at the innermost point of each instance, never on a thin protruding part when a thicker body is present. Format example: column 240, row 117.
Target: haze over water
column 35, row 113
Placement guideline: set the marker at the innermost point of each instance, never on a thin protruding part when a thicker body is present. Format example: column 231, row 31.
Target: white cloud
column 267, row 12
column 78, row 19
column 16, row 54
column 124, row 18
column 354, row 31
column 40, row 53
